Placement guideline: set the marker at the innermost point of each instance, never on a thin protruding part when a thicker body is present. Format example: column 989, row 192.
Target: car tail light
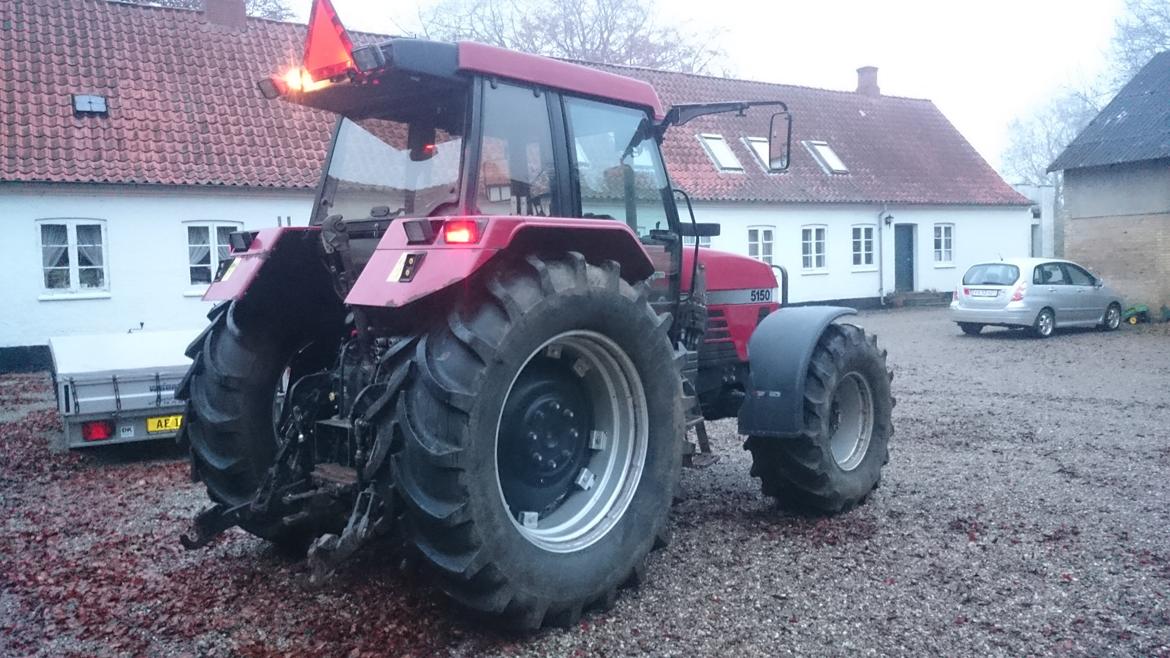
column 97, row 430
column 1018, row 295
column 461, row 231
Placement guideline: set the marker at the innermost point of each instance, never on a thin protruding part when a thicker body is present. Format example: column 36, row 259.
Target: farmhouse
column 1117, row 189
column 133, row 141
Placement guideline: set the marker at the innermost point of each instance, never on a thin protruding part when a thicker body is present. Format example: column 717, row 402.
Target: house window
column 499, row 192
column 759, row 148
column 812, row 247
column 721, row 153
column 760, row 243
column 73, row 255
column 862, row 246
column 207, row 247
column 944, row 235
column 826, row 157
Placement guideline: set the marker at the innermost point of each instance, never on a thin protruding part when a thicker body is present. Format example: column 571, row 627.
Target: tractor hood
column 729, row 273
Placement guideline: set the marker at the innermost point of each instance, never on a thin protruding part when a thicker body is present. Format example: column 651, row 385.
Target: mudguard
column 291, row 242
column 382, row 282
column 779, row 354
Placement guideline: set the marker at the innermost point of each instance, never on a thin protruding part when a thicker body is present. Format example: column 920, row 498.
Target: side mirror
column 699, row 230
column 779, row 141
column 420, row 139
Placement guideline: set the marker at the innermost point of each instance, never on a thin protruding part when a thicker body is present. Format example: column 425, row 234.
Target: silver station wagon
column 1038, row 294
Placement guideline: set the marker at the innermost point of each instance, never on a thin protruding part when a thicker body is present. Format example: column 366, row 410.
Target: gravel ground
column 1024, row 511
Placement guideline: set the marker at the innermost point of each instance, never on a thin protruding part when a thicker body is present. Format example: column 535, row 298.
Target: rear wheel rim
column 1045, row 323
column 578, row 398
column 851, row 421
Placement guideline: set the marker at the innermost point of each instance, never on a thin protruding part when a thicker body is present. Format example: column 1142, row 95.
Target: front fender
column 779, row 354
column 439, row 266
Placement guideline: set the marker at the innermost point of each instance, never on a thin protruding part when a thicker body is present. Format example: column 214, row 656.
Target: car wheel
column 1045, row 324
column 971, row 328
column 1112, row 318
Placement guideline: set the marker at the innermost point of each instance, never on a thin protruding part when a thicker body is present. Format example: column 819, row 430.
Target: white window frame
column 708, row 140
column 808, row 235
column 826, row 157
column 856, row 240
column 943, row 244
column 74, row 291
column 765, row 235
column 197, row 289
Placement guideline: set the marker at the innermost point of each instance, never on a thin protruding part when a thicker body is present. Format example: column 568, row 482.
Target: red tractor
column 493, row 336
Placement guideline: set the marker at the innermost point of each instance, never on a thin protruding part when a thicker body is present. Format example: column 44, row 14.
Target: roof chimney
column 867, row 81
column 231, row 13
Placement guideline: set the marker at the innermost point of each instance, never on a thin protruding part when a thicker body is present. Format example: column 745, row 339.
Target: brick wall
column 1131, row 252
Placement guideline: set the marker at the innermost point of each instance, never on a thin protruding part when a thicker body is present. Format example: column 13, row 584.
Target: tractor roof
column 400, row 58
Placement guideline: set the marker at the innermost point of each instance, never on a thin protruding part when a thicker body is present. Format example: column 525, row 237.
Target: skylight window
column 721, row 153
column 89, row 104
column 826, row 157
column 759, row 146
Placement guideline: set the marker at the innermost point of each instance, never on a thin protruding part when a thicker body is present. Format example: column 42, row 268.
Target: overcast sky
column 982, row 62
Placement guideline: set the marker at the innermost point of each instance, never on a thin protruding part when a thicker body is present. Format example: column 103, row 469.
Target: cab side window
column 617, row 165
column 516, row 158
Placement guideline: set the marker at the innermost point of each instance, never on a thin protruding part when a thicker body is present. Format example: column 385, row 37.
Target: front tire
column 837, row 459
column 535, row 361
column 1112, row 320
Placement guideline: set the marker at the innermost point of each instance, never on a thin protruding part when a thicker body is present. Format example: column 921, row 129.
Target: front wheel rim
column 851, row 421
column 1113, row 317
column 580, row 398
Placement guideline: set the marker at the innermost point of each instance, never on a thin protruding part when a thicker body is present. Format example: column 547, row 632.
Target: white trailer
column 119, row 388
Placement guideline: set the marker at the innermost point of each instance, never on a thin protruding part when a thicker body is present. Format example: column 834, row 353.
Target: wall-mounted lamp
column 888, row 218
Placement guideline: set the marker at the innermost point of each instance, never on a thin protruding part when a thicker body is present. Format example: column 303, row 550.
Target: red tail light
column 461, row 231
column 1018, row 295
column 97, row 430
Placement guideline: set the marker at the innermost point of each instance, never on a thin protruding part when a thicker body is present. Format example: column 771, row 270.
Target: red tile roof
column 184, row 110
column 183, row 104
column 897, row 150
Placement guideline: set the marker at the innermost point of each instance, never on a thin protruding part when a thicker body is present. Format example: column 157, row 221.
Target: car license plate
column 156, row 424
column 984, row 293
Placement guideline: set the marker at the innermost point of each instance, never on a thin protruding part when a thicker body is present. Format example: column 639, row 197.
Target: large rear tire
column 542, row 361
column 837, row 459
column 230, row 410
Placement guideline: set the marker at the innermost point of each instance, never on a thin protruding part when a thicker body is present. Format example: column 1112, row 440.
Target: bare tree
column 1142, row 31
column 274, row 9
column 607, row 31
column 1037, row 139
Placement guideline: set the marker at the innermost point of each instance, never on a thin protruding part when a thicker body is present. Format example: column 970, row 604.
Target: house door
column 903, row 257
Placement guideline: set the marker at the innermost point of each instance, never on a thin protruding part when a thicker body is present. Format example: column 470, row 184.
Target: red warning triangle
column 328, row 50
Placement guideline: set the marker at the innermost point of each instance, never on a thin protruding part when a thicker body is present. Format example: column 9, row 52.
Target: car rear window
column 991, row 274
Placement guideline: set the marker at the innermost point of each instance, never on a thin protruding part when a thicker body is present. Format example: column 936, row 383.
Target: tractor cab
column 447, row 132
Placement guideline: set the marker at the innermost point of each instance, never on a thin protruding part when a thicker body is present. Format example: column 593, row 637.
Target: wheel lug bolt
column 567, row 413
column 552, row 464
column 533, row 436
column 556, row 406
column 537, row 457
column 574, row 434
column 565, row 454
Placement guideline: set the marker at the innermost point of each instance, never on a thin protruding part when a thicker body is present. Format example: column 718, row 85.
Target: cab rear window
column 991, row 274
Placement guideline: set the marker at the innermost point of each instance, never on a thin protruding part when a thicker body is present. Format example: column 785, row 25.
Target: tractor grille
column 716, row 326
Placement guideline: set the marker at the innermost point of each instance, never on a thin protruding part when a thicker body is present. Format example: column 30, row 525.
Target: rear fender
column 270, row 245
column 385, row 282
column 779, row 354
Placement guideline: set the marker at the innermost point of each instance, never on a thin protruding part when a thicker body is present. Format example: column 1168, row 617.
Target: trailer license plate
column 156, row 424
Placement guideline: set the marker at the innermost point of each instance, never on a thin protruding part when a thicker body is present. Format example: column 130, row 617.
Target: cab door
column 1084, row 297
column 616, row 173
